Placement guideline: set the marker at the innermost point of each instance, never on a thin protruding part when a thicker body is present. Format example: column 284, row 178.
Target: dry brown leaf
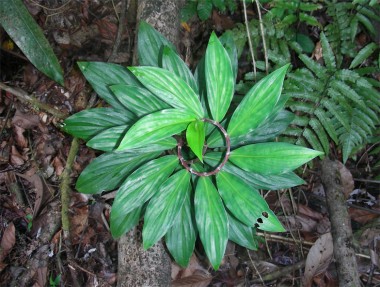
column 19, row 137
column 301, row 223
column 317, row 53
column 25, row 121
column 42, row 276
column 318, row 259
column 7, row 241
column 41, row 189
column 16, row 158
column 307, row 211
column 347, row 180
column 193, row 266
column 198, row 279
column 361, row 216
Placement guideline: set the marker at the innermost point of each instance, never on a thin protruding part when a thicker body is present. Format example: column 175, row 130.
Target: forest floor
column 34, row 151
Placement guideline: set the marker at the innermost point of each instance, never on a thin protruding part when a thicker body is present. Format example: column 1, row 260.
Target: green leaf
column 270, row 129
column 366, row 23
column 169, row 88
column 103, row 75
column 227, row 40
column 143, row 184
column 165, row 207
column 257, row 104
column 139, row 101
column 245, row 203
column 173, row 63
column 155, row 127
column 310, row 20
column 257, row 181
column 122, row 224
column 212, row 222
column 28, row 36
column 204, row 9
column 328, row 54
column 272, row 158
column 88, row 123
column 241, row 234
column 108, row 139
column 195, row 136
column 363, row 55
column 149, row 44
column 181, row 236
column 109, row 170
column 188, row 11
column 305, row 42
column 219, row 78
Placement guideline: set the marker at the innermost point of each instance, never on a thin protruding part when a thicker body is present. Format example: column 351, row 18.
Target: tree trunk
column 152, row 267
column 340, row 224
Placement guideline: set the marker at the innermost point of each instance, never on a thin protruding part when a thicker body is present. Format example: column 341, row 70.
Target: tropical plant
column 335, row 102
column 332, row 103
column 179, row 155
column 25, row 32
column 203, row 8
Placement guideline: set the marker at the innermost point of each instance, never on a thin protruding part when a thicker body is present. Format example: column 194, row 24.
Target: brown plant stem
column 220, row 166
column 25, row 97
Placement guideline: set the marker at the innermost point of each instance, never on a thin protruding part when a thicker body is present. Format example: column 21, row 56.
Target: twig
column 120, row 30
column 262, row 36
column 249, row 39
column 281, row 272
column 254, row 266
column 24, row 96
column 282, row 239
column 65, row 187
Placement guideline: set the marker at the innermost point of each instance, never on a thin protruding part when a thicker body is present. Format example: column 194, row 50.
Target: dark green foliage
column 331, row 103
column 203, row 8
column 348, row 18
column 334, row 101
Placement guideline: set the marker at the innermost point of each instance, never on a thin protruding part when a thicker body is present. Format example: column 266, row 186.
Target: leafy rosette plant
column 184, row 155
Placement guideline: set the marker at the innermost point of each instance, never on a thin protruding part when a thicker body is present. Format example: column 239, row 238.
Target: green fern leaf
column 312, row 139
column 321, row 133
column 328, row 54
column 363, row 55
column 327, row 124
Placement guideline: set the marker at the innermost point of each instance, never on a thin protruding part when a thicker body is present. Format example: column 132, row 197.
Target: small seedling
column 183, row 154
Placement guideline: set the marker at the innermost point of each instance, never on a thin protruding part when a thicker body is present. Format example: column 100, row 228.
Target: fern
column 203, row 8
column 348, row 19
column 331, row 103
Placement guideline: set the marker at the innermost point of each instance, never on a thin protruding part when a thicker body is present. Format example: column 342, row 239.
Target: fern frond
column 328, row 54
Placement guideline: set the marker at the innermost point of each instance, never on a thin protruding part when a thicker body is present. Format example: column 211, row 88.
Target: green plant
column 332, row 103
column 25, row 32
column 54, row 282
column 203, row 8
column 179, row 155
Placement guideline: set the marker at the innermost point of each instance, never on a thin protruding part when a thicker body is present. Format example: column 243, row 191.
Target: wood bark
column 340, row 224
column 137, row 267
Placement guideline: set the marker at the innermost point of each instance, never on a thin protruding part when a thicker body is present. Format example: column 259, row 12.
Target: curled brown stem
column 185, row 163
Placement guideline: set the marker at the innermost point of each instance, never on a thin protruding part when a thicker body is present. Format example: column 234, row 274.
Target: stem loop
column 185, row 163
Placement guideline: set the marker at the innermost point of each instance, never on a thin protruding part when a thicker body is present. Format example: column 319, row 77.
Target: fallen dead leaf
column 198, row 279
column 307, row 211
column 25, row 121
column 41, row 189
column 318, row 259
column 16, row 158
column 301, row 223
column 7, row 241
